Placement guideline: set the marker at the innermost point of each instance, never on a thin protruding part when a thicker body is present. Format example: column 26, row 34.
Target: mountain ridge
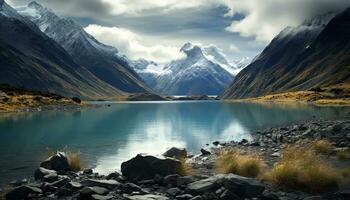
column 294, row 61
column 101, row 60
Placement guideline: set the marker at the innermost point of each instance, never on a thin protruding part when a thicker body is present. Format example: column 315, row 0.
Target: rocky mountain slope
column 314, row 54
column 205, row 70
column 101, row 60
column 31, row 60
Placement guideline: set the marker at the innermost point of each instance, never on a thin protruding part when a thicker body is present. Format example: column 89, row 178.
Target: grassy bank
column 337, row 95
column 15, row 100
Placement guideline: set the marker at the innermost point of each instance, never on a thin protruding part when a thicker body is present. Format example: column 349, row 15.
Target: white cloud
column 234, row 48
column 264, row 19
column 138, row 7
column 133, row 45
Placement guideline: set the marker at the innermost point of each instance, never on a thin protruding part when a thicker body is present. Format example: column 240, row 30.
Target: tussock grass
column 186, row 168
column 240, row 164
column 300, row 167
column 322, row 146
column 6, row 189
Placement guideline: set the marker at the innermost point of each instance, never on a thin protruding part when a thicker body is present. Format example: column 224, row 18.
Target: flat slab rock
column 146, row 197
column 111, row 184
column 241, row 186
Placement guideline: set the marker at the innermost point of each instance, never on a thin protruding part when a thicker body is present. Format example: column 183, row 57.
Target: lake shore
column 202, row 181
column 337, row 95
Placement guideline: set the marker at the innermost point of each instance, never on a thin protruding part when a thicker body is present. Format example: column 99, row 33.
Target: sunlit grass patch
column 240, row 164
column 302, row 168
column 322, row 146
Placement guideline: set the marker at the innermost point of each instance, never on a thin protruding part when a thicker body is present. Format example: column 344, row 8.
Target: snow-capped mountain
column 205, row 70
column 101, row 60
column 30, row 59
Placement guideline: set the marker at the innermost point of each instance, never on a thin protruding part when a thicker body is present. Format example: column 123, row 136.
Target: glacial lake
column 107, row 136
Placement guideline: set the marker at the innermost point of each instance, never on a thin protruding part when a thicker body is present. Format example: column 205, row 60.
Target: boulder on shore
column 174, row 152
column 58, row 162
column 238, row 185
column 144, row 167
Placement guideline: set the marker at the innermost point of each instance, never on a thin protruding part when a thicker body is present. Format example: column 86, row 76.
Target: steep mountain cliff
column 317, row 53
column 30, row 59
column 101, row 60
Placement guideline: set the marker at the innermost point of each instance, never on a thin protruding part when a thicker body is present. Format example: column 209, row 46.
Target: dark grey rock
column 129, row 188
column 216, row 143
column 87, row 171
column 147, row 197
column 110, row 184
column 41, row 172
column 184, row 180
column 58, row 162
column 227, row 195
column 184, row 197
column 52, row 177
column 174, row 191
column 63, row 191
column 197, row 198
column 337, row 127
column 61, row 183
column 313, row 198
column 144, row 167
column 114, row 175
column 74, row 185
column 242, row 186
column 178, row 153
column 171, row 179
column 205, row 152
column 101, row 197
column 22, row 192
column 87, row 192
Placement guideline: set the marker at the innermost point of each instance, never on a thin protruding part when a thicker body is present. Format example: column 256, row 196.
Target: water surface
column 107, row 136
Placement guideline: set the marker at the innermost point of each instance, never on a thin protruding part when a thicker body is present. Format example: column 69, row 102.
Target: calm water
column 109, row 135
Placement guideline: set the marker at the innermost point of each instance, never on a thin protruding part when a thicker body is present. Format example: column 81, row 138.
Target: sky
column 157, row 29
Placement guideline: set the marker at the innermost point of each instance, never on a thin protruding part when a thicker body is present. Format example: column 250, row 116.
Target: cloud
column 133, row 45
column 264, row 19
column 234, row 48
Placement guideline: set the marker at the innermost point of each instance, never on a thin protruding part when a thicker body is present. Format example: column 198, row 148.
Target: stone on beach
column 178, row 153
column 146, row 167
column 58, row 162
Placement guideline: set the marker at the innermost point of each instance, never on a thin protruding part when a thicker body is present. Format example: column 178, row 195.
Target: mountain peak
column 319, row 20
column 186, row 47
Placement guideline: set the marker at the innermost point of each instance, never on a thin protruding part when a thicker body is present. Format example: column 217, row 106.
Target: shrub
column 322, row 146
column 301, row 168
column 237, row 163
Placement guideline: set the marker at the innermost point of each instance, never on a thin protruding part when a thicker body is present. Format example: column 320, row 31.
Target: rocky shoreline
column 147, row 177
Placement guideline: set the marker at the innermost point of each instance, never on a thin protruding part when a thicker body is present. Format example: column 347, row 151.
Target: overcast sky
column 156, row 29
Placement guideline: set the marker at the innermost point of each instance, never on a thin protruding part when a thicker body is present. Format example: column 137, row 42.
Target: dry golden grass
column 237, row 163
column 343, row 154
column 301, row 168
column 11, row 103
column 335, row 95
column 6, row 189
column 322, row 146
column 186, row 168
